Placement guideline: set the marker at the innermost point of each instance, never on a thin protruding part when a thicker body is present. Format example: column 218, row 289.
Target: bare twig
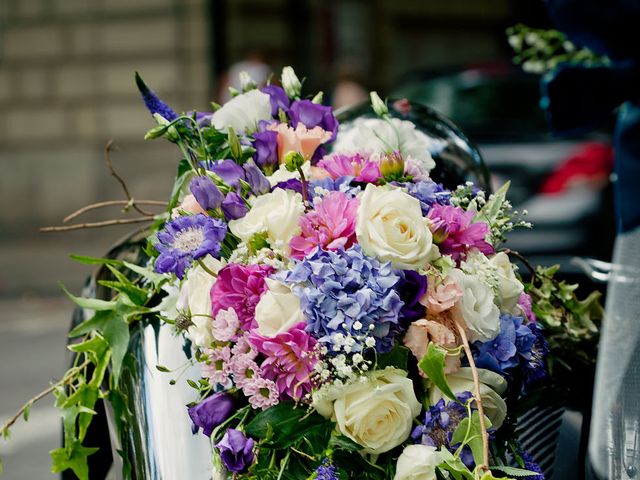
column 107, row 158
column 106, row 223
column 110, row 203
column 69, row 376
column 476, row 394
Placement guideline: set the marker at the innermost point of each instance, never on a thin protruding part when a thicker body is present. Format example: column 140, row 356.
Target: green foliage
column 432, row 364
column 539, row 51
column 571, row 324
column 469, row 432
column 397, row 357
column 73, row 457
column 514, row 472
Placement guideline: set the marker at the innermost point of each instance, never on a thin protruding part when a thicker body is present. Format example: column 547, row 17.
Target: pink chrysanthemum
column 361, row 168
column 330, row 225
column 289, row 360
column 244, row 370
column 240, row 287
column 455, row 233
column 262, row 393
column 243, row 347
column 217, row 368
column 225, row 325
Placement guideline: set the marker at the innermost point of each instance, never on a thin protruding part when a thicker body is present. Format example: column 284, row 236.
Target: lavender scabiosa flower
column 186, row 239
column 236, row 451
column 508, row 349
column 345, row 294
column 326, row 471
column 153, row 102
column 440, row 421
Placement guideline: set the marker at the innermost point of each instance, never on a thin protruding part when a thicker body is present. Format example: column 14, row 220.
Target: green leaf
column 97, row 322
column 454, row 465
column 515, row 472
column 74, row 458
column 344, row 443
column 94, row 261
column 491, row 209
column 95, row 344
column 116, row 333
column 162, row 368
column 90, row 303
column 26, row 412
column 474, row 439
column 432, row 364
column 397, row 357
column 136, row 295
column 287, row 423
column 153, row 277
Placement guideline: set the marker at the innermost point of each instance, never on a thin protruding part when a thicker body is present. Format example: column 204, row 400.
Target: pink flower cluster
column 361, row 168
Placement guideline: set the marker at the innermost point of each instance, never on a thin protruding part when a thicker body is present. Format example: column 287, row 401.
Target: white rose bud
column 509, row 287
column 417, row 462
column 376, row 411
column 492, row 386
column 476, row 309
column 290, row 82
column 278, row 310
column 276, row 213
column 390, row 226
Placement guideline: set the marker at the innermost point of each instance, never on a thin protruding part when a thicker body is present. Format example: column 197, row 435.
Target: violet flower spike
column 236, row 451
column 153, row 102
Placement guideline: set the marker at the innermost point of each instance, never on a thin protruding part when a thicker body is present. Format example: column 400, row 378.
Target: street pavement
column 32, row 354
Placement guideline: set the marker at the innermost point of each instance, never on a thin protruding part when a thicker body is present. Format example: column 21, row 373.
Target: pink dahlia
column 240, row 287
column 330, row 225
column 289, row 360
column 361, row 168
column 456, row 233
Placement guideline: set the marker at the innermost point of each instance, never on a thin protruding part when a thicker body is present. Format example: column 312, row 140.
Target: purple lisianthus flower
column 186, row 239
column 255, row 178
column 211, row 412
column 313, row 115
column 266, row 146
column 343, row 292
column 411, row 287
column 153, row 102
column 291, row 184
column 204, row 119
column 207, row 194
column 230, row 172
column 513, row 345
column 534, row 365
column 236, row 451
column 278, row 98
column 440, row 421
column 234, row 206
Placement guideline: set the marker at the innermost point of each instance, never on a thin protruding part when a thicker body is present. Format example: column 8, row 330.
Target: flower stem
column 283, row 465
column 207, row 269
column 476, row 394
column 305, row 192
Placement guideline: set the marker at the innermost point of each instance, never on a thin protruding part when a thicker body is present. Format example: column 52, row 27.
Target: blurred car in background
column 564, row 184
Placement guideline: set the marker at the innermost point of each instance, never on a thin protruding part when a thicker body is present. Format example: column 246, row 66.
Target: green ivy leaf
column 153, row 277
column 94, row 261
column 116, row 333
column 90, row 303
column 432, row 364
column 474, row 439
column 454, row 466
column 74, row 458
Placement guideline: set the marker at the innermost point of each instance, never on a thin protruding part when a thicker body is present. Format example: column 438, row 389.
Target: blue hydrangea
column 440, row 421
column 326, row 471
column 345, row 293
column 513, row 345
column 342, row 184
column 428, row 193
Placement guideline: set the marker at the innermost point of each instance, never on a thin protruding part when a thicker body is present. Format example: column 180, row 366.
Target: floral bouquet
column 352, row 318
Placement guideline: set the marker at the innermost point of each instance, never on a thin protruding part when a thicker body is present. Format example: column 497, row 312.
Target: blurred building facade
column 66, row 76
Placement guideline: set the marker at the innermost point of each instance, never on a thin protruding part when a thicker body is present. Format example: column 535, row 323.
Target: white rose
column 243, row 112
column 278, row 310
column 198, row 295
column 417, row 462
column 376, row 411
column 509, row 287
column 476, row 309
column 376, row 136
column 276, row 213
column 492, row 386
column 390, row 226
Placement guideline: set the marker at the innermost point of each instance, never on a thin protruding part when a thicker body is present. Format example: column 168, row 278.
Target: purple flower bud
column 230, row 172
column 278, row 97
column 236, row 451
column 234, row 206
column 411, row 287
column 207, row 194
column 211, row 412
column 313, row 115
column 256, row 179
column 266, row 145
